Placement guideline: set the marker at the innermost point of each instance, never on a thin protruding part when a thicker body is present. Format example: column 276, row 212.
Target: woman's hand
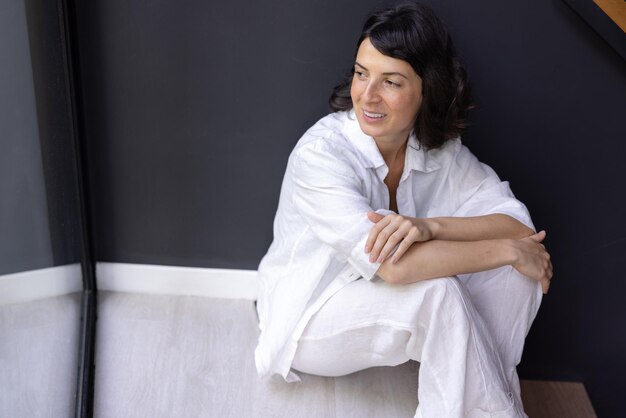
column 392, row 230
column 532, row 259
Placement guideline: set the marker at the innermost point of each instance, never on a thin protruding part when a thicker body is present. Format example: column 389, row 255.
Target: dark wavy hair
column 413, row 33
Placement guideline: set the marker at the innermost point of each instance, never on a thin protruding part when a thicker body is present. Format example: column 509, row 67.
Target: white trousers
column 467, row 332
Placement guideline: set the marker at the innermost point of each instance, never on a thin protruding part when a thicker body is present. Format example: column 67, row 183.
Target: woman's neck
column 392, row 153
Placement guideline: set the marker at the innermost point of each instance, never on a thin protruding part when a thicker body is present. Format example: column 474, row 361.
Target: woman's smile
column 373, row 116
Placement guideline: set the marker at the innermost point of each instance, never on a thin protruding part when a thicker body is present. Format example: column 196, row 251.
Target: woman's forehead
column 371, row 59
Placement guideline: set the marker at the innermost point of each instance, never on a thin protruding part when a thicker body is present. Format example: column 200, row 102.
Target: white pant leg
column 369, row 324
column 508, row 303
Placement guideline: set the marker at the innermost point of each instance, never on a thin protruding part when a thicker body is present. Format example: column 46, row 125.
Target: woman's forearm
column 438, row 258
column 476, row 228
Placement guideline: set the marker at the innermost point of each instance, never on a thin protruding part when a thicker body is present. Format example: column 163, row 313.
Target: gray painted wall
column 38, row 222
column 50, row 77
column 193, row 107
column 39, row 225
column 24, row 231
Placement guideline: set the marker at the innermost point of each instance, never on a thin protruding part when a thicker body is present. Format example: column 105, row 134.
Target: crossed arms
column 449, row 246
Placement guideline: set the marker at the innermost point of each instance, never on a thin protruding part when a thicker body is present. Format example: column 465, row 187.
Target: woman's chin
column 368, row 129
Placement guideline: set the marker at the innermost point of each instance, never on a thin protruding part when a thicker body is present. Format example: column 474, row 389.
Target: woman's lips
column 373, row 116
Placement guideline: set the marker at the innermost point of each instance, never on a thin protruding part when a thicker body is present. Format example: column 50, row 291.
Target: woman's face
column 386, row 95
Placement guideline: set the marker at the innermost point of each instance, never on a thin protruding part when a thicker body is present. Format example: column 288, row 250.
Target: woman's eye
column 359, row 74
column 391, row 83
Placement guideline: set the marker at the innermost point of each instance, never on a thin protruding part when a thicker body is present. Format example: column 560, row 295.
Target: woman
column 393, row 242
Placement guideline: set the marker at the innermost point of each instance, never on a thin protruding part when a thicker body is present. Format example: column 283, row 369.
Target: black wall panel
column 193, row 107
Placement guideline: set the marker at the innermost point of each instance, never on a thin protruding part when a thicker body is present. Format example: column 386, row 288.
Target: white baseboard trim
column 31, row 285
column 175, row 280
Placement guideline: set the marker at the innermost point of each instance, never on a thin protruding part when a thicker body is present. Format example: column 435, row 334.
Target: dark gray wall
column 24, row 233
column 38, row 198
column 192, row 108
column 50, row 80
column 191, row 111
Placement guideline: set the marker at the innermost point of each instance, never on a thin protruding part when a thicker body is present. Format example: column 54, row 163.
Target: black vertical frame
column 86, row 365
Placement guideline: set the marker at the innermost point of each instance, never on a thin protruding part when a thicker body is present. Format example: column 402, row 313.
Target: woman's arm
column 477, row 228
column 436, row 258
column 392, row 230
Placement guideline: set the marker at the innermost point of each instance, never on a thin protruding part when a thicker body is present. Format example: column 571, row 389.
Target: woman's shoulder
column 325, row 149
column 326, row 137
column 452, row 151
column 327, row 127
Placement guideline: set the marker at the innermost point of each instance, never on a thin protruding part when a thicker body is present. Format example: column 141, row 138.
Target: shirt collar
column 416, row 157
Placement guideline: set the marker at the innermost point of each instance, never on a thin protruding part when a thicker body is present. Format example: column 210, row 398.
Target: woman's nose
column 370, row 94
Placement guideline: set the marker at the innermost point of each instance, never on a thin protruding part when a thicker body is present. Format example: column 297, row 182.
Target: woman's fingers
column 546, row 273
column 398, row 236
column 391, row 231
column 374, row 217
column 394, row 229
column 385, row 242
column 404, row 235
column 376, row 229
column 549, row 274
column 404, row 245
column 534, row 261
column 539, row 236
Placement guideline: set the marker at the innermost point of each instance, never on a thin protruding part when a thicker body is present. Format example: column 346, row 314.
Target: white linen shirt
column 334, row 176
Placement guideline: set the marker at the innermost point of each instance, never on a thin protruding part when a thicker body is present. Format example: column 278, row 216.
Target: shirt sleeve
column 482, row 192
column 329, row 196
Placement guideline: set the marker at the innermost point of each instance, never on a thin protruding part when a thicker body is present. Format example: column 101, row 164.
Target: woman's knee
column 447, row 287
column 446, row 293
column 502, row 284
column 352, row 350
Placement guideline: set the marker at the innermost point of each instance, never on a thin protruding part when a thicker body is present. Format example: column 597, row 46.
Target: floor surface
column 39, row 357
column 190, row 356
column 186, row 356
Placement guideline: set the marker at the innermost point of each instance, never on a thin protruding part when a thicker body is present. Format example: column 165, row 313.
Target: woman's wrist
column 509, row 251
column 498, row 253
column 433, row 225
